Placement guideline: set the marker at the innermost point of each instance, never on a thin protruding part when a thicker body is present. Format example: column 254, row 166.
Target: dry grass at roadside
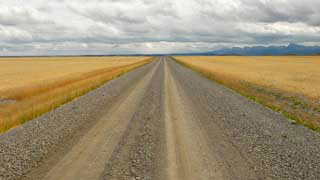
column 38, row 85
column 288, row 84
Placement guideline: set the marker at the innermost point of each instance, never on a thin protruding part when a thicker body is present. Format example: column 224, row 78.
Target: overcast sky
column 56, row 27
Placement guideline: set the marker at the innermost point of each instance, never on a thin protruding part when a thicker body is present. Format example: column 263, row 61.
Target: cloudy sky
column 57, row 27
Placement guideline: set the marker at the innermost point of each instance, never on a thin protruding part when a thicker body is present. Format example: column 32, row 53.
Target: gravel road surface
column 160, row 122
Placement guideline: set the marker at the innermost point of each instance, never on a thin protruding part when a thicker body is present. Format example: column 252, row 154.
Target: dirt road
column 170, row 123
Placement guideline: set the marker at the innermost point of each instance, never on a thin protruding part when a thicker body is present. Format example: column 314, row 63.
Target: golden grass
column 31, row 86
column 289, row 84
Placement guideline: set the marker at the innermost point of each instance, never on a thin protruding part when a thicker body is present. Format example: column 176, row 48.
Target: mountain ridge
column 290, row 49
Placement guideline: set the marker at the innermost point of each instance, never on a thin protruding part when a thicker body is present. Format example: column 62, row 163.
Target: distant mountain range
column 291, row 49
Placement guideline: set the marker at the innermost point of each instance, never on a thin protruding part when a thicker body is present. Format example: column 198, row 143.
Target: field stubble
column 30, row 87
column 287, row 84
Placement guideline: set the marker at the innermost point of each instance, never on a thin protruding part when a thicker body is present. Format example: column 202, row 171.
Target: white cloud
column 15, row 35
column 41, row 27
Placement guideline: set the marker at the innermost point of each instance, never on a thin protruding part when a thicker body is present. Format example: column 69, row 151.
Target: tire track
column 140, row 151
column 194, row 156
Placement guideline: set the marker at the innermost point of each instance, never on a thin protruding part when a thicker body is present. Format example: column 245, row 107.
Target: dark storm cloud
column 81, row 26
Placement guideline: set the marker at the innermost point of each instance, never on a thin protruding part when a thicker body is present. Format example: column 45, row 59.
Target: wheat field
column 30, row 87
column 289, row 84
column 21, row 72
